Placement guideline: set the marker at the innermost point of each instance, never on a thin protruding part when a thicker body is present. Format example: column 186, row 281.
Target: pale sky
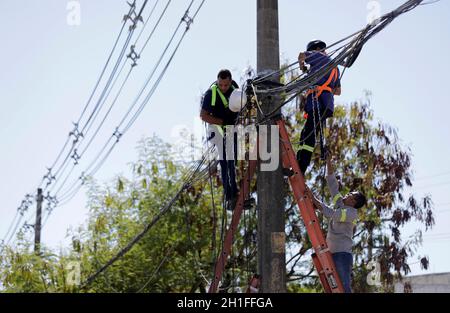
column 49, row 68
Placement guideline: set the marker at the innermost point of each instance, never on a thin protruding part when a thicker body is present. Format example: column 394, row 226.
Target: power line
column 167, row 207
column 50, row 176
column 157, row 269
column 75, row 132
column 70, row 189
column 126, row 78
column 105, row 94
column 98, row 81
column 94, row 113
column 146, row 21
column 345, row 58
column 115, row 137
column 80, row 135
column 186, row 184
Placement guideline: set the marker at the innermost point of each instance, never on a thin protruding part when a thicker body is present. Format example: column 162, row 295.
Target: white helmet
column 237, row 100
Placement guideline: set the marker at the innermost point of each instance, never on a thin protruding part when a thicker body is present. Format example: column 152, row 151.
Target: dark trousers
column 228, row 171
column 308, row 136
column 344, row 263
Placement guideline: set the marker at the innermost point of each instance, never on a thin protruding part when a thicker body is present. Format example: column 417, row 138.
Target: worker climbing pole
column 318, row 101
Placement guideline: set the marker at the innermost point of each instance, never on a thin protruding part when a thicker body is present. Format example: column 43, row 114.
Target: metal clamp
column 117, row 134
column 76, row 133
column 83, row 178
column 75, row 156
column 132, row 16
column 49, row 176
column 187, row 19
column 133, row 56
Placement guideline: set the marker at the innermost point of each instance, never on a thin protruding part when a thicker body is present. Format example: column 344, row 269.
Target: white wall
column 432, row 283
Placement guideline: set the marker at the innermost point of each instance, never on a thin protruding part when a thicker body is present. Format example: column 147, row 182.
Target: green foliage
column 369, row 157
column 178, row 254
column 174, row 256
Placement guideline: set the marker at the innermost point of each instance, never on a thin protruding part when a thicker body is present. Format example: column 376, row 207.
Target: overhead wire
column 346, row 57
column 119, row 133
column 98, row 106
column 186, row 183
column 71, row 191
column 50, row 176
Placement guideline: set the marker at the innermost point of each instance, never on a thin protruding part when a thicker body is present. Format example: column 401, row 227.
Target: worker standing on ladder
column 318, row 101
column 342, row 217
column 216, row 113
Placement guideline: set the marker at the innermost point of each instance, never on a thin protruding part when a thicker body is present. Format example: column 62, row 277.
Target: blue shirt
column 317, row 60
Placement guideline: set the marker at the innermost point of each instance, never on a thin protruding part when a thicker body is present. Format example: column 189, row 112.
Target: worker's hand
column 301, row 57
column 301, row 61
column 302, row 102
column 330, row 167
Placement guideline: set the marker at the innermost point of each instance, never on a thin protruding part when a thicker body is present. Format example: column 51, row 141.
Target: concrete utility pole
column 271, row 223
column 37, row 224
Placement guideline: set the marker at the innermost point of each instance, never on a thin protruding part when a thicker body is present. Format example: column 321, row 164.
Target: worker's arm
column 316, row 203
column 333, row 184
column 209, row 118
column 302, row 57
column 343, row 215
column 207, row 109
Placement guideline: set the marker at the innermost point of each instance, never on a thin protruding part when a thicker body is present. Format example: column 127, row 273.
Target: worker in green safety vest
column 342, row 217
column 215, row 112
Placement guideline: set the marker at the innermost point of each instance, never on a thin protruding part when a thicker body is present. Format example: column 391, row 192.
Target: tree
column 178, row 254
column 370, row 158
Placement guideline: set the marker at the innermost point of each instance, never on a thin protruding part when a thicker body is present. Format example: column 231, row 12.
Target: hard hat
column 316, row 44
column 237, row 100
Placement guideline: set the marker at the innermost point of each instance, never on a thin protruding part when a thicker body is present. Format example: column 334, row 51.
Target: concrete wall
column 431, row 283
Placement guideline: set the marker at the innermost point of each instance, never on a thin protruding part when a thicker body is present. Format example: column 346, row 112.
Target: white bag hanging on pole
column 237, row 100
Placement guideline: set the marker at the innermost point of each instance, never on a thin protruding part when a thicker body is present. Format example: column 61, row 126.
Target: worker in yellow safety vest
column 215, row 112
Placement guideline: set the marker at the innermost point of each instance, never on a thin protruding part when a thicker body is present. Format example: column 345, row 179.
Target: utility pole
column 37, row 224
column 271, row 222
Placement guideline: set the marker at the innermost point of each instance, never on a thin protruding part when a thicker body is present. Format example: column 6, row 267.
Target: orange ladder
column 322, row 258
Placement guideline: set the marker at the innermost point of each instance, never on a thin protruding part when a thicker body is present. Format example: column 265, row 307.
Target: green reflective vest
column 215, row 90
